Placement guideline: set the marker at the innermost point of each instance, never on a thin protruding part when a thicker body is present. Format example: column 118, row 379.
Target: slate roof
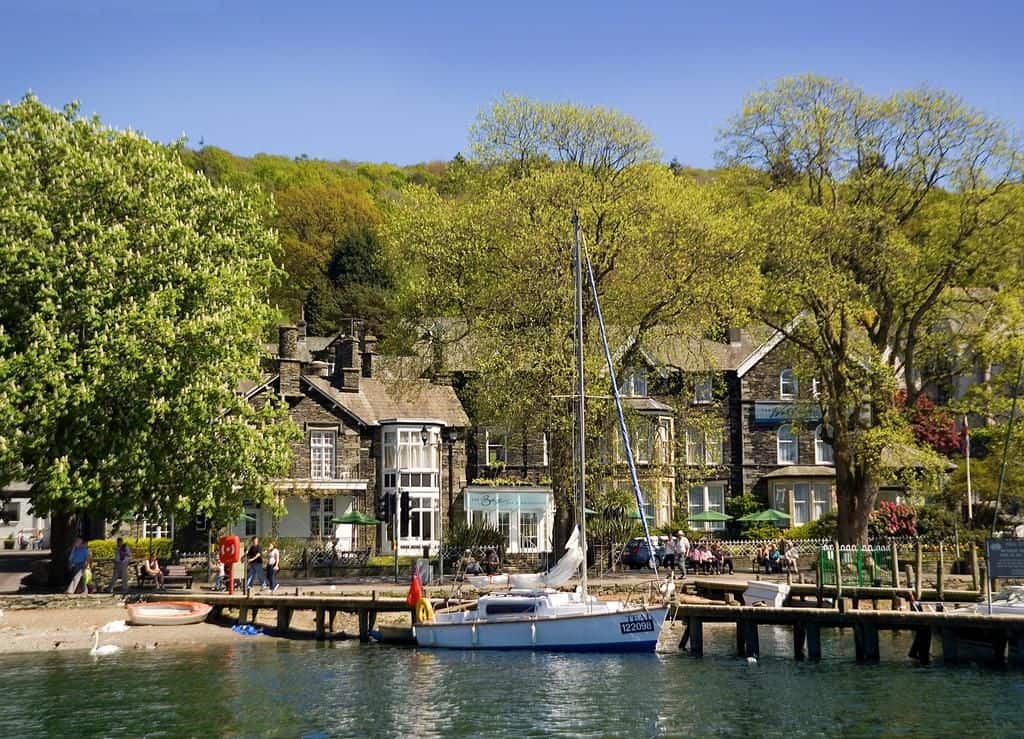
column 379, row 400
column 802, row 470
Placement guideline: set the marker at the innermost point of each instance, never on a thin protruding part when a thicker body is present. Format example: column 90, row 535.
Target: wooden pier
column 731, row 590
column 1003, row 634
column 326, row 607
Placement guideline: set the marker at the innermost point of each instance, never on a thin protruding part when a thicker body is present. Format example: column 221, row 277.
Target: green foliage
column 388, row 560
column 476, row 539
column 761, row 531
column 140, row 548
column 826, row 527
column 936, row 522
column 133, row 295
column 873, row 243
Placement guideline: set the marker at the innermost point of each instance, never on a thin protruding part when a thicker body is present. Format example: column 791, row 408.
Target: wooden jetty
column 731, row 590
column 1000, row 632
column 326, row 607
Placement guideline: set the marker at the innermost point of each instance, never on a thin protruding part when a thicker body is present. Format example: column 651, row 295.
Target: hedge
column 104, row 548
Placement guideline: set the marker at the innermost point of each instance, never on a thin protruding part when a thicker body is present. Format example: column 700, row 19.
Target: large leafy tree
column 132, row 299
column 496, row 260
column 882, row 219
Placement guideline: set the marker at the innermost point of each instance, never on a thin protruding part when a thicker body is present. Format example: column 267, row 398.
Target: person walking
column 78, row 560
column 122, row 554
column 683, row 549
column 254, row 563
column 273, row 565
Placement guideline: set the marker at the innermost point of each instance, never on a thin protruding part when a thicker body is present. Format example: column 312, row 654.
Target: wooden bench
column 173, row 575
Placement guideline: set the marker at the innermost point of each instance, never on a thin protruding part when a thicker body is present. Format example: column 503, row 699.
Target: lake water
column 299, row 688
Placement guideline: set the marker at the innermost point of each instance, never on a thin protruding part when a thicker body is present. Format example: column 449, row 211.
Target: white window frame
column 529, row 531
column 704, row 447
column 704, row 503
column 788, row 386
column 544, row 441
column 500, row 447
column 323, row 452
column 791, row 439
column 634, row 384
column 703, row 390
column 822, row 449
column 324, row 508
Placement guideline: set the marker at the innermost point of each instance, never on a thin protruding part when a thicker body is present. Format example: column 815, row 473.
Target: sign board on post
column 1005, row 558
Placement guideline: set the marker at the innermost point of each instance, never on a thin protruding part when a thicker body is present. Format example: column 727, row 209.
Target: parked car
column 637, row 553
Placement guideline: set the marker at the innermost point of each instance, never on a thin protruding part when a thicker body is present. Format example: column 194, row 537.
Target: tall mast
column 580, row 398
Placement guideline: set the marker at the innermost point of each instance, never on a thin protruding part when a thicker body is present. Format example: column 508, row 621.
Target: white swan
column 106, row 650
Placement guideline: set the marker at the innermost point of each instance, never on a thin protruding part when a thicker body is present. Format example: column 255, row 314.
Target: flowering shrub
column 893, row 519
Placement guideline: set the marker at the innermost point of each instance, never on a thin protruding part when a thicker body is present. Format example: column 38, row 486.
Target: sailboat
column 533, row 614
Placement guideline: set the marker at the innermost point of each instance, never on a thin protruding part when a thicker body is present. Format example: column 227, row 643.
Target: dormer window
column 703, row 389
column 787, row 384
column 634, row 384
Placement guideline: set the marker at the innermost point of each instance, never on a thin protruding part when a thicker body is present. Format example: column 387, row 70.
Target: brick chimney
column 289, row 367
column 317, row 369
column 347, row 364
column 369, row 347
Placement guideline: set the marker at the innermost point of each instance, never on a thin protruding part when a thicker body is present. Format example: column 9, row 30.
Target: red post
column 229, row 569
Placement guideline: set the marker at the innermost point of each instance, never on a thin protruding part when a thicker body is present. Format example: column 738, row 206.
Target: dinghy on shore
column 169, row 613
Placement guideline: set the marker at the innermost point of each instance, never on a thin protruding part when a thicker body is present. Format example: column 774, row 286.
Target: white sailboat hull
column 605, row 628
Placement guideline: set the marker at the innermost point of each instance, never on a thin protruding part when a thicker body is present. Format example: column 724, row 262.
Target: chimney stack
column 735, row 336
column 369, row 352
column 288, row 365
column 318, row 369
column 347, row 364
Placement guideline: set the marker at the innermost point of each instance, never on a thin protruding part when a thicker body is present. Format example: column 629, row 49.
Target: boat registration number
column 636, row 625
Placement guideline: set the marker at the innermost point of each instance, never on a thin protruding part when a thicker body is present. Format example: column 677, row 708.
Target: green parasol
column 355, row 517
column 709, row 517
column 636, row 516
column 771, row 516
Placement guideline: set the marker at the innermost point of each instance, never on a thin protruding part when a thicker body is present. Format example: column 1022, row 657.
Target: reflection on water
column 348, row 689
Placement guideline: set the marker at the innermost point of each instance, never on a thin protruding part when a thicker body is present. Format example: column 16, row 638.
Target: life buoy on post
column 229, row 550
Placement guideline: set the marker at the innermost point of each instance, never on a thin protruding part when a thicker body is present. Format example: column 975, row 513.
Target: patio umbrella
column 636, row 516
column 591, row 512
column 771, row 515
column 355, row 517
column 710, row 517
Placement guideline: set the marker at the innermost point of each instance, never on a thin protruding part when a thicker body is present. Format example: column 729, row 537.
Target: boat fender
column 424, row 611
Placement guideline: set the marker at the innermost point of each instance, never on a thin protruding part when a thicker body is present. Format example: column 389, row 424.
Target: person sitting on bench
column 151, row 568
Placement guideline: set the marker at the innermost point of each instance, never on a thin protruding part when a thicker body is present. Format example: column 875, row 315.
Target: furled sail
column 563, row 571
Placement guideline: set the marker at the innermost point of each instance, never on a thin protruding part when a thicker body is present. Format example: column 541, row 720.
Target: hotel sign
column 505, row 501
column 779, row 412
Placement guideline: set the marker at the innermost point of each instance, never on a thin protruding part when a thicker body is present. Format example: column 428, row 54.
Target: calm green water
column 257, row 688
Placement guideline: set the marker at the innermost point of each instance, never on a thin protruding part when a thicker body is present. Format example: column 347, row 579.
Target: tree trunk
column 856, row 493
column 61, row 535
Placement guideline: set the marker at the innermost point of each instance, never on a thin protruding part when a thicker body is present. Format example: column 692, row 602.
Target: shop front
column 524, row 515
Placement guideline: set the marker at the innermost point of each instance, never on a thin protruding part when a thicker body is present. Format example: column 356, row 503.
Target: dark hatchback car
column 638, row 554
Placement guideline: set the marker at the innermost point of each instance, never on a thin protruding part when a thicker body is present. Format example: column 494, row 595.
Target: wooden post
column 320, row 634
column 364, row 626
column 940, row 574
column 999, row 641
column 741, row 643
column 921, row 649
column 975, row 576
column 284, row 619
column 894, row 553
column 799, row 636
column 1016, row 651
column 813, row 642
column 919, row 571
column 871, row 643
column 330, row 619
column 697, row 637
column 305, row 561
column 858, row 641
column 243, row 614
column 753, row 646
column 821, row 575
column 839, row 572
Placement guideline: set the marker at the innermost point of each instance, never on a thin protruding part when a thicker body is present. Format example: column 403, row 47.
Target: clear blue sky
column 390, row 81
